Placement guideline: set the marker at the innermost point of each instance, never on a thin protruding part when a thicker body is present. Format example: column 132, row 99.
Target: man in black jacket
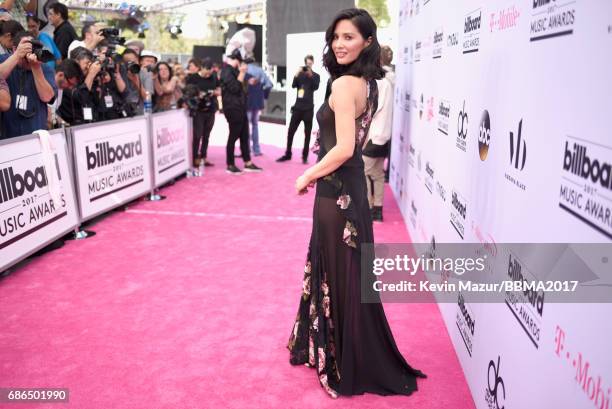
column 64, row 33
column 233, row 95
column 307, row 82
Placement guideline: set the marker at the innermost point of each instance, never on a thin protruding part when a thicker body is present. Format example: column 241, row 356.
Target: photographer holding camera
column 109, row 87
column 77, row 104
column 201, row 94
column 92, row 35
column 31, row 85
column 167, row 91
column 307, row 82
column 135, row 92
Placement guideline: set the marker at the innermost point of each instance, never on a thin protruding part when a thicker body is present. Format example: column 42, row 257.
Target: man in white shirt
column 91, row 37
column 379, row 136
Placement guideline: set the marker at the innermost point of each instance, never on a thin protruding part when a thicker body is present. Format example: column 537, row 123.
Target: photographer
column 201, row 96
column 34, row 25
column 234, row 108
column 91, row 37
column 109, row 88
column 31, row 86
column 166, row 89
column 307, row 82
column 135, row 93
column 67, row 76
column 77, row 104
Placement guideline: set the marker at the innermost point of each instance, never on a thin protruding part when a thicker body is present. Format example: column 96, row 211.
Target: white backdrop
column 492, row 100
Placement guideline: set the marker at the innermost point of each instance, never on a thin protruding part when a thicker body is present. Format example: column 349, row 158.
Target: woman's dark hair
column 159, row 64
column 367, row 65
column 11, row 27
column 196, row 61
column 61, row 9
column 34, row 19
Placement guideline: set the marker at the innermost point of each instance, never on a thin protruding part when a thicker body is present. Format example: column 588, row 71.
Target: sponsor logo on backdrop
column 586, row 183
column 419, row 163
column 441, row 190
column 413, row 214
column 526, row 306
column 25, row 201
column 518, row 157
column 406, row 101
column 484, row 135
column 411, row 155
column 421, row 107
column 504, row 19
column 458, row 213
column 488, row 248
column 495, row 394
column 551, row 19
column 438, row 44
column 587, row 373
column 417, row 7
column 466, row 323
column 407, row 55
column 430, row 109
column 443, row 116
column 171, row 147
column 418, row 50
column 471, row 31
column 452, row 40
column 411, row 7
column 462, row 129
column 429, row 177
column 115, row 171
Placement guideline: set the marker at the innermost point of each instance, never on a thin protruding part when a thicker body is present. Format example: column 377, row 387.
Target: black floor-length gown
column 349, row 343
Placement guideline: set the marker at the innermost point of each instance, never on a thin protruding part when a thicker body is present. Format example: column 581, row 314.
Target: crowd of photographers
column 50, row 77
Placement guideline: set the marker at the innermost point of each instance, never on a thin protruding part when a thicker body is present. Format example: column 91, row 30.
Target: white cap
column 148, row 53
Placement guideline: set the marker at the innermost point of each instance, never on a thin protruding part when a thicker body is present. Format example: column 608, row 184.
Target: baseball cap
column 235, row 55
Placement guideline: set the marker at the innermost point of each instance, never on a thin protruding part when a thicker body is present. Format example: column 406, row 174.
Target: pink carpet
column 188, row 303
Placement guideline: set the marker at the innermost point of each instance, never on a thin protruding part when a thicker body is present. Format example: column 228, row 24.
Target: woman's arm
column 345, row 95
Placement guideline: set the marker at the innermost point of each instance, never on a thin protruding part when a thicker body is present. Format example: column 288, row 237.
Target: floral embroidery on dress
column 316, row 146
column 349, row 235
column 306, row 282
column 344, row 201
column 333, row 180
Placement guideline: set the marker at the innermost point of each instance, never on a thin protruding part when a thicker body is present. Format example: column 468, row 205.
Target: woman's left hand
column 302, row 184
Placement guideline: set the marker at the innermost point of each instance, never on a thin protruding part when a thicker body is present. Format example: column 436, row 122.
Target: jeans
column 253, row 116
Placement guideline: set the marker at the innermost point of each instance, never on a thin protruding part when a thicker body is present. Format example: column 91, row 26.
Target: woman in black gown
column 349, row 343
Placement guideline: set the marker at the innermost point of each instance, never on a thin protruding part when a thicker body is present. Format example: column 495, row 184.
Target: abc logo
column 484, row 135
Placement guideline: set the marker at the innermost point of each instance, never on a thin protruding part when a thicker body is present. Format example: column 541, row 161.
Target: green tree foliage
column 378, row 10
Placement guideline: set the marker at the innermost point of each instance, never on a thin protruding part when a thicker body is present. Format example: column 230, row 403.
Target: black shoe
column 252, row 168
column 284, row 158
column 233, row 170
column 208, row 164
column 377, row 215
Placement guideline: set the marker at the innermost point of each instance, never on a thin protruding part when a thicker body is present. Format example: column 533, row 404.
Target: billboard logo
column 551, row 19
column 586, row 180
column 471, row 32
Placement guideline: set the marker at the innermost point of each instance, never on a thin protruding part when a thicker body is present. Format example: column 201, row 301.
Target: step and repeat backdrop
column 502, row 135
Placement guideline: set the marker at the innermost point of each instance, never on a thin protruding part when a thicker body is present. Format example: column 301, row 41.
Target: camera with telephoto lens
column 42, row 54
column 196, row 100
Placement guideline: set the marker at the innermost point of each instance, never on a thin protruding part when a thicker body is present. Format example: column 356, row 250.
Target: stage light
column 174, row 30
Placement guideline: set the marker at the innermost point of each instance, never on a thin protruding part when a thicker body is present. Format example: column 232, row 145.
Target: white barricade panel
column 112, row 164
column 170, row 145
column 37, row 202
